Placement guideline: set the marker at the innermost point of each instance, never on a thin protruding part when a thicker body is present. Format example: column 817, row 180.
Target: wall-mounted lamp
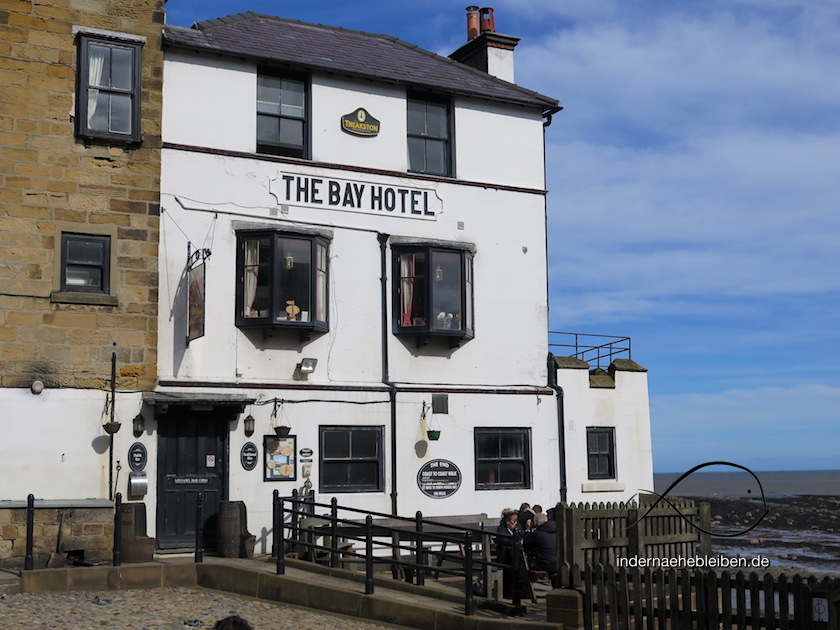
column 249, row 425
column 305, row 368
column 289, row 263
column 138, row 425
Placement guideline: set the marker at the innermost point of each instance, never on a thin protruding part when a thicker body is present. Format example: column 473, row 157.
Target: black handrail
column 28, row 561
column 117, row 555
column 612, row 346
column 199, row 528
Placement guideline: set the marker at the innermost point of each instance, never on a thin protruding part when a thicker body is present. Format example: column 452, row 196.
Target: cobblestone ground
column 160, row 609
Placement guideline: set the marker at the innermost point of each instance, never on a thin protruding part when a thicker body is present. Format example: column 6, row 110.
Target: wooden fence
column 599, row 533
column 624, row 599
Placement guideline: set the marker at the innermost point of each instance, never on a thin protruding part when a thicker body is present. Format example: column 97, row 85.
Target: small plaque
column 249, row 456
column 138, row 457
column 439, row 479
column 360, row 123
column 305, row 452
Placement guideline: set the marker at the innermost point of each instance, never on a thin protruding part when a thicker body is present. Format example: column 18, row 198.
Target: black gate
column 192, row 458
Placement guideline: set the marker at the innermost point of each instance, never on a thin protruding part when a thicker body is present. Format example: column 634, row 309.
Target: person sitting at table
column 525, row 517
column 507, row 532
column 541, row 547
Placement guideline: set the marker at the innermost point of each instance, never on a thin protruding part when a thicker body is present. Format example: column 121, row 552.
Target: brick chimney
column 486, row 50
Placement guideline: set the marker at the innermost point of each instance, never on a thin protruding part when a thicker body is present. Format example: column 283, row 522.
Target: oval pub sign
column 439, row 478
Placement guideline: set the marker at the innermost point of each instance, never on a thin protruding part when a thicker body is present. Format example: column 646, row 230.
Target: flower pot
column 111, row 427
column 433, row 435
column 282, row 431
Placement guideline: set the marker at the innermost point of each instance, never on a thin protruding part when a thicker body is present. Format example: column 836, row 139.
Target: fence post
column 633, row 532
column 368, row 555
column 278, row 539
column 419, row 553
column 469, row 601
column 516, row 563
column 117, row 556
column 28, row 561
column 199, row 527
column 275, row 502
column 294, row 534
column 705, row 515
column 334, row 532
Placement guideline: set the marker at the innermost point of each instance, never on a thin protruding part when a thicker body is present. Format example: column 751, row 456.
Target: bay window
column 281, row 280
column 433, row 292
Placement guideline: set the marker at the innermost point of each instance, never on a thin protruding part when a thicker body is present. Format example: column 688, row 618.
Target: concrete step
column 9, row 583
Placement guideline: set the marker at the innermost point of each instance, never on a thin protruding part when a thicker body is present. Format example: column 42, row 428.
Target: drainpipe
column 561, row 424
column 392, row 388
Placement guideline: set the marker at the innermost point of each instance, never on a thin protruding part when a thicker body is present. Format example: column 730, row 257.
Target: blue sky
column 694, row 204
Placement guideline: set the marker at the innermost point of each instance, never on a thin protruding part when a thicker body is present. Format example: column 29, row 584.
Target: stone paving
column 160, row 609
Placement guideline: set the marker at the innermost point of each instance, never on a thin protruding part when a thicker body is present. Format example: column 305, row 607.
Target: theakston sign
column 356, row 196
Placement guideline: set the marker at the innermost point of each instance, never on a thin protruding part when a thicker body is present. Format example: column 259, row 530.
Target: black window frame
column 274, row 318
column 83, row 88
column 278, row 148
column 427, row 325
column 104, row 267
column 483, row 459
column 600, row 460
column 325, row 461
column 426, row 136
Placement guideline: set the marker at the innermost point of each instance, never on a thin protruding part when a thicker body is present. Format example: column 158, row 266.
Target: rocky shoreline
column 799, row 534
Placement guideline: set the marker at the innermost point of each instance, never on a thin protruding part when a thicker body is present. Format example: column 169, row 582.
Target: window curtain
column 407, row 288
column 250, row 280
column 96, row 64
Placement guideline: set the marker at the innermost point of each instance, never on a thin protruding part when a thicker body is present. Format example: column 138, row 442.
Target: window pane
column 512, row 445
column 268, row 94
column 416, row 117
column 98, row 110
column 486, row 473
column 336, row 444
column 468, row 295
column 365, row 474
column 436, row 120
column 486, row 445
column 268, row 128
column 84, row 277
column 256, row 278
column 416, row 154
column 121, row 113
column 99, row 65
column 365, row 444
column 446, row 290
column 85, row 251
column 122, row 68
column 412, row 289
column 334, row 474
column 291, row 131
column 512, row 472
column 436, row 157
column 293, row 291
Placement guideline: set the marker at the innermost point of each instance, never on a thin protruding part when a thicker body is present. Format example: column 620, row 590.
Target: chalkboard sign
column 439, row 479
column 249, row 455
column 137, row 457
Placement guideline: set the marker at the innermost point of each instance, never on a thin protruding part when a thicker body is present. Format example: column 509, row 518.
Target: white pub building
column 353, row 286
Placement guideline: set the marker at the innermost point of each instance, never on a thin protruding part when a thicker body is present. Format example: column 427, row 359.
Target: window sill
column 606, row 485
column 80, row 297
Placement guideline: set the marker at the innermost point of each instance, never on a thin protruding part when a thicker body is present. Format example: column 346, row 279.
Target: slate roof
column 271, row 39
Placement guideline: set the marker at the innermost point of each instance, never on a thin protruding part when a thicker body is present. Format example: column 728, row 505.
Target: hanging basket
column 433, row 434
column 282, row 431
column 111, row 427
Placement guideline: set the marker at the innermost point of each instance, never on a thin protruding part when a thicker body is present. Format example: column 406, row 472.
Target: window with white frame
column 108, row 89
column 85, row 263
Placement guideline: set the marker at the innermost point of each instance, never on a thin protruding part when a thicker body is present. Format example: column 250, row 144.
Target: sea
column 739, row 483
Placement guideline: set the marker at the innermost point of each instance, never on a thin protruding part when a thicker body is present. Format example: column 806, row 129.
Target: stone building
column 80, row 113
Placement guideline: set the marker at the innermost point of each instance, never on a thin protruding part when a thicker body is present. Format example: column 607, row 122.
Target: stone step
column 9, row 584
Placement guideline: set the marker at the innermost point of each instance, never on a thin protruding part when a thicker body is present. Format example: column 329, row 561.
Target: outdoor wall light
column 249, row 425
column 305, row 368
column 138, row 425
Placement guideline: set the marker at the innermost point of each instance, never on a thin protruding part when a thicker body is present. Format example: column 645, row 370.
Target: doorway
column 192, row 459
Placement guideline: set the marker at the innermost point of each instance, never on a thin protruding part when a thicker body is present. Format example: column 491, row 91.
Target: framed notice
column 279, row 458
column 195, row 306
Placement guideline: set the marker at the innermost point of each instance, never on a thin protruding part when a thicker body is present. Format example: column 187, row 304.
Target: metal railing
column 597, row 350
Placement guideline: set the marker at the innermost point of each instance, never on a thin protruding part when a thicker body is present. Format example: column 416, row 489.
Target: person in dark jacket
column 541, row 547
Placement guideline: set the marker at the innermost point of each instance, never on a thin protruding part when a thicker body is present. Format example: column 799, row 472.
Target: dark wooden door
column 192, row 458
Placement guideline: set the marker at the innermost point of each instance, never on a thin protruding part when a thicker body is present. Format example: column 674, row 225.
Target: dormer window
column 429, row 146
column 281, row 281
column 281, row 114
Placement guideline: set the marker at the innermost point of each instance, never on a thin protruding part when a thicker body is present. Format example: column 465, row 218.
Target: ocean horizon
column 737, row 483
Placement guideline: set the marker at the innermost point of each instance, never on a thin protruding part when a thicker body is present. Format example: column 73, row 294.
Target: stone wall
column 51, row 181
column 88, row 531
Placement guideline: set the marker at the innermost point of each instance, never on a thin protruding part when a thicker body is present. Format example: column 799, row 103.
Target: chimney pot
column 472, row 22
column 488, row 22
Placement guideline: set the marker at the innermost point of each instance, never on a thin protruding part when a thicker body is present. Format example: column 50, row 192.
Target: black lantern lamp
column 138, row 425
column 249, row 425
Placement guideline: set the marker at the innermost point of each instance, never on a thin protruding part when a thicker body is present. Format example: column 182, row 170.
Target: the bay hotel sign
column 356, row 196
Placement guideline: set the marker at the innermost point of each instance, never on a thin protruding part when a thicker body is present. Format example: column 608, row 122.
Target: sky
column 694, row 199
